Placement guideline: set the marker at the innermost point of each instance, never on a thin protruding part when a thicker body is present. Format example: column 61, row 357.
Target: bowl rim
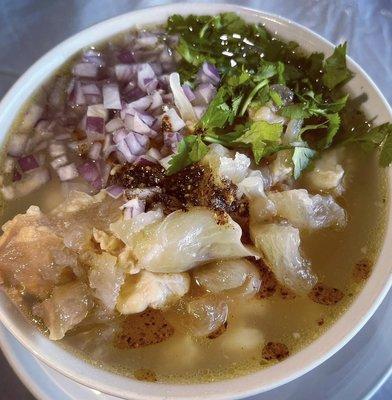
column 242, row 386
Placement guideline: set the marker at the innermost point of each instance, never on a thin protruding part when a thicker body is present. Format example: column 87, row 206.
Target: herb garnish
column 253, row 64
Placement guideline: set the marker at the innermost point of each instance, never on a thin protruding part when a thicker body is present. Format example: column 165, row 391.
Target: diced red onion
column 147, row 39
column 16, row 145
column 94, row 57
column 157, row 68
column 124, row 72
column 145, row 160
column 56, row 149
column 137, row 143
column 67, row 172
column 95, row 124
column 188, row 92
column 139, row 105
column 95, row 151
column 156, row 100
column 133, row 207
column 113, row 124
column 85, row 70
column 137, row 125
column 89, row 171
column 126, row 56
column 28, row 163
column 91, row 88
column 204, row 93
column 59, row 161
column 176, row 122
column 154, row 153
column 92, row 99
column 211, row 72
column 97, row 110
column 199, row 111
column 115, row 191
column 97, row 183
column 111, row 96
column 123, row 148
column 132, row 92
column 146, row 78
column 119, row 135
column 78, row 95
column 171, row 139
column 146, row 118
column 31, row 117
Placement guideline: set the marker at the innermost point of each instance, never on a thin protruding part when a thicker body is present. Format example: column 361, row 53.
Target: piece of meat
column 32, row 257
column 67, row 307
column 147, row 289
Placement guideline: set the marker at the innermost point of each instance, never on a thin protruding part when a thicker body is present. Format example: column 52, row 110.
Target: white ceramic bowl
column 298, row 364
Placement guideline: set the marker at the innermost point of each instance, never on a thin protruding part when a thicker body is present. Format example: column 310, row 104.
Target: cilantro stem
column 252, row 94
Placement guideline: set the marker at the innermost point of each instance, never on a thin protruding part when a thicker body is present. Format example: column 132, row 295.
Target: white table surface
column 29, row 28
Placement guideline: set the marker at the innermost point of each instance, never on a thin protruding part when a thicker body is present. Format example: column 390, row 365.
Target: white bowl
column 337, row 336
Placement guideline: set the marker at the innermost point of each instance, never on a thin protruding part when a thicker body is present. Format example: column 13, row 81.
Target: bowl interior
column 298, row 364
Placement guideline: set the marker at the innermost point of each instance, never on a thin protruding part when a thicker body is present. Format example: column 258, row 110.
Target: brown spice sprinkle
column 275, row 351
column 144, row 329
column 362, row 270
column 323, row 294
column 218, row 332
column 268, row 281
column 145, row 375
column 192, row 186
column 286, row 293
column 320, row 321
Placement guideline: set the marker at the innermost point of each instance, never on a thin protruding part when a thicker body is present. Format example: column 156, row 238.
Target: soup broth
column 261, row 321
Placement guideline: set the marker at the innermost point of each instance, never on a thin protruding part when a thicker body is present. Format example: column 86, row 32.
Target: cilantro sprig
column 253, row 64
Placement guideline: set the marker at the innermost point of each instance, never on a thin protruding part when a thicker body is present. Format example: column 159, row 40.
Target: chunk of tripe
column 147, row 289
column 279, row 244
column 327, row 174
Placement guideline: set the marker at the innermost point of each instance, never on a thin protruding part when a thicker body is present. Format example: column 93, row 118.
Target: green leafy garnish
column 191, row 149
column 301, row 159
column 261, row 136
column 335, row 68
column 379, row 136
column 251, row 62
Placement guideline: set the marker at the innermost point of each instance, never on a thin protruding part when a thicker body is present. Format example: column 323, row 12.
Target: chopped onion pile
column 123, row 105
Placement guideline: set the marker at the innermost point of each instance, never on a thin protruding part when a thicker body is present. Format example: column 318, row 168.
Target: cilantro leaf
column 301, row 159
column 259, row 136
column 333, row 127
column 191, row 149
column 295, row 111
column 218, row 111
column 198, row 150
column 335, row 68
